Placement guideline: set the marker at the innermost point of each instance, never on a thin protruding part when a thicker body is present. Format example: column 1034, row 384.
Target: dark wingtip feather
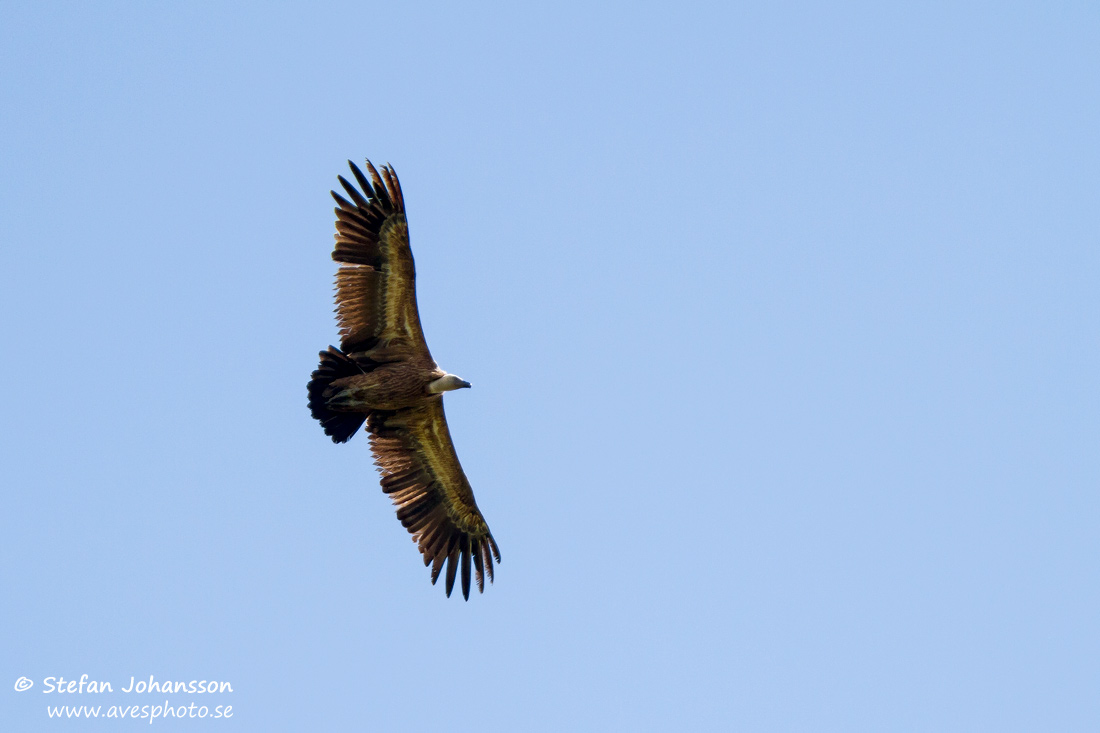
column 342, row 202
column 488, row 559
column 392, row 187
column 452, row 568
column 437, row 566
column 479, row 570
column 381, row 194
column 362, row 180
column 353, row 192
column 466, row 567
column 441, row 557
column 396, row 193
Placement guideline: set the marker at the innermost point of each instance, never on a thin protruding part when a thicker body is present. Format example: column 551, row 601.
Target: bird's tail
column 339, row 425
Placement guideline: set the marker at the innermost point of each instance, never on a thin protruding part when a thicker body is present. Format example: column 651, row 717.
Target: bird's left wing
column 422, row 475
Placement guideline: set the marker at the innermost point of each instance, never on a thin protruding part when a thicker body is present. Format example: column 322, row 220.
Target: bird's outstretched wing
column 376, row 283
column 421, row 473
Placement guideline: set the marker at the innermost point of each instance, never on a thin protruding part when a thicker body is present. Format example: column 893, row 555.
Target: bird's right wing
column 376, row 282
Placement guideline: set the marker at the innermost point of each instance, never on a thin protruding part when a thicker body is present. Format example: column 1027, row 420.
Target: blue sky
column 782, row 324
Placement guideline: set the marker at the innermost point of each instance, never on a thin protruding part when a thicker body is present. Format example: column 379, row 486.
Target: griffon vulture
column 384, row 375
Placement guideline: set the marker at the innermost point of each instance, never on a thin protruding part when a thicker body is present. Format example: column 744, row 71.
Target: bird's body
column 383, row 375
column 393, row 386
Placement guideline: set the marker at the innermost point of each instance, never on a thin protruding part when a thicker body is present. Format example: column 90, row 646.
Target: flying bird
column 383, row 375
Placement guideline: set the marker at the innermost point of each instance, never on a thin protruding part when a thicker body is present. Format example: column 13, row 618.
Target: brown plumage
column 384, row 375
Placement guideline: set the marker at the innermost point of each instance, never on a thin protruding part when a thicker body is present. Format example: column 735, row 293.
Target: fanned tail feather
column 340, row 426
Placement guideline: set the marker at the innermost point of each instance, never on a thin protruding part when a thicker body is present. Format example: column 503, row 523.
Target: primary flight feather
column 383, row 375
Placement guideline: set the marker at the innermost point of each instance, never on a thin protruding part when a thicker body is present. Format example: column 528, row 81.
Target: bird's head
column 446, row 383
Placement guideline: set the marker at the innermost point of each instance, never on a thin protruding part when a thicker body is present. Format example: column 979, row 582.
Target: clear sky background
column 782, row 323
